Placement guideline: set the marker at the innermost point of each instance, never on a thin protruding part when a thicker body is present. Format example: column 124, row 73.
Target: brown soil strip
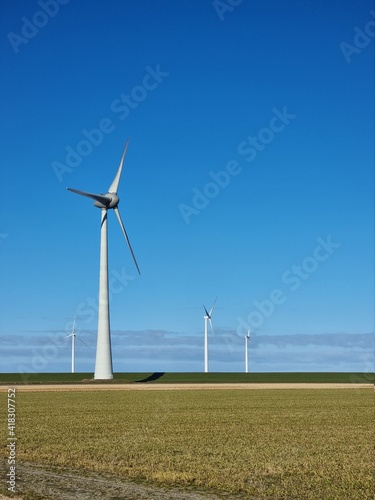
column 179, row 387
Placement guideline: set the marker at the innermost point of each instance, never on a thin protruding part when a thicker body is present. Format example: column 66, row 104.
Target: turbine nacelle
column 113, row 201
column 208, row 315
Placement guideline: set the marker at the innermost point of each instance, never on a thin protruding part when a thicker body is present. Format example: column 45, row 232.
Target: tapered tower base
column 103, row 363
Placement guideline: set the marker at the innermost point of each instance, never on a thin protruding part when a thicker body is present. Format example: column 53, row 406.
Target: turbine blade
column 83, row 343
column 212, row 308
column 205, row 310
column 113, row 188
column 212, row 329
column 97, row 197
column 126, row 237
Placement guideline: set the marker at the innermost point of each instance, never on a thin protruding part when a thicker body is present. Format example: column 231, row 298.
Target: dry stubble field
column 275, row 444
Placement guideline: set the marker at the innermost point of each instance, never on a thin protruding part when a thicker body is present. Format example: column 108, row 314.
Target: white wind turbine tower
column 103, row 362
column 74, row 336
column 247, row 339
column 207, row 318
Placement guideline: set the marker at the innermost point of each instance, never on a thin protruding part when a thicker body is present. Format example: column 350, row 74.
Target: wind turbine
column 74, row 336
column 109, row 200
column 247, row 338
column 207, row 318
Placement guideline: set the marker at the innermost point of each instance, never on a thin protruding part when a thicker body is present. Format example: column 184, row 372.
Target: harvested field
column 228, row 443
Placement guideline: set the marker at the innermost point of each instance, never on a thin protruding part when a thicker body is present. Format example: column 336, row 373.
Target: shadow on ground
column 151, row 378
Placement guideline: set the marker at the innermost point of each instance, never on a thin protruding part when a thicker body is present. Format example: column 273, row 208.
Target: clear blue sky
column 277, row 95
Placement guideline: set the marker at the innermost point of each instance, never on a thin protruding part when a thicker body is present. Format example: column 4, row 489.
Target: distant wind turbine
column 207, row 318
column 103, row 362
column 74, row 336
column 247, row 339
